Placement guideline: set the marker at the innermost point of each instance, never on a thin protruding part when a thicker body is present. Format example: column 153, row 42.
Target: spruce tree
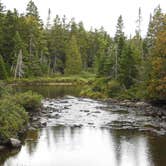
column 128, row 70
column 32, row 10
column 3, row 72
column 73, row 57
column 119, row 45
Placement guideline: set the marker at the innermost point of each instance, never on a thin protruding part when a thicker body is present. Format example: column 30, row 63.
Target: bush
column 31, row 101
column 5, row 90
column 13, row 118
column 113, row 88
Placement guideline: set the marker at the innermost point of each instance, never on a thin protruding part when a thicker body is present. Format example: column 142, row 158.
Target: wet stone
column 96, row 112
column 120, row 115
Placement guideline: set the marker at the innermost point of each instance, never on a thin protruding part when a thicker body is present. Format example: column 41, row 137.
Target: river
column 86, row 132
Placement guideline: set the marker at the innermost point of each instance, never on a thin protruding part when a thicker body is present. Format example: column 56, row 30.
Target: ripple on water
column 73, row 111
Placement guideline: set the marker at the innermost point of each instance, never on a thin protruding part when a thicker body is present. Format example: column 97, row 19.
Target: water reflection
column 62, row 146
column 51, row 91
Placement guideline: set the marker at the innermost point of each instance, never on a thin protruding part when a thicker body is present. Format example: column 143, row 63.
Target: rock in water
column 14, row 143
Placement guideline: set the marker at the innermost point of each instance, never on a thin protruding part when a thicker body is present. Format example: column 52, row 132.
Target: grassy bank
column 56, row 80
column 104, row 88
column 14, row 111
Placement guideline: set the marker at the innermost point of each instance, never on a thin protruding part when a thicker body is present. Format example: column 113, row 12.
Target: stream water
column 85, row 132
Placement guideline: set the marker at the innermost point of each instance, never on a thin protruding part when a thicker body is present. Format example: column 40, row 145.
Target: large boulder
column 14, row 143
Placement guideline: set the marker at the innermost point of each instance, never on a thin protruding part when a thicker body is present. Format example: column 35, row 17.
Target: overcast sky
column 95, row 13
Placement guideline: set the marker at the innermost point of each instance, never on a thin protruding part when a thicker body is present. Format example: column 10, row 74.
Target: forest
column 133, row 67
column 78, row 97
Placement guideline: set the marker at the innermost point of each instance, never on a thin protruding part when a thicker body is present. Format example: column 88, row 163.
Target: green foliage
column 13, row 111
column 31, row 101
column 32, row 9
column 102, row 88
column 113, row 88
column 12, row 119
column 3, row 72
column 5, row 90
column 128, row 71
column 73, row 57
column 66, row 47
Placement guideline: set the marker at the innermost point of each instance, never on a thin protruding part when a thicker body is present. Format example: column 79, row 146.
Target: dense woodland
column 28, row 48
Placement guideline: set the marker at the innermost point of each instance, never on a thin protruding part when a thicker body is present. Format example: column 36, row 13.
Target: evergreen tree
column 3, row 71
column 154, row 26
column 48, row 25
column 127, row 71
column 157, row 81
column 57, row 38
column 73, row 57
column 119, row 44
column 1, row 7
column 32, row 10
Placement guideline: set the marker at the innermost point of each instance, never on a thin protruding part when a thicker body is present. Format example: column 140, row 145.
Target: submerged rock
column 96, row 112
column 43, row 122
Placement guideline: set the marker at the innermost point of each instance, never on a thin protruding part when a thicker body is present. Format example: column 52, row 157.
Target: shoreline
column 38, row 120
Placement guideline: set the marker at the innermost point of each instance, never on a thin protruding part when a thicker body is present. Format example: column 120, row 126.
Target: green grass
column 83, row 78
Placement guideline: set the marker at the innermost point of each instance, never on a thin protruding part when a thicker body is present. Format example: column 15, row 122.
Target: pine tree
column 73, row 57
column 48, row 25
column 139, row 20
column 127, row 71
column 32, row 10
column 119, row 44
column 3, row 72
column 1, row 7
column 153, row 28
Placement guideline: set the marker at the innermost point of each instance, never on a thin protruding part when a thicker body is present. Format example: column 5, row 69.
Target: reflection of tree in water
column 52, row 91
column 157, row 149
column 116, row 138
column 32, row 141
column 58, row 131
column 132, row 144
column 7, row 153
column 61, row 134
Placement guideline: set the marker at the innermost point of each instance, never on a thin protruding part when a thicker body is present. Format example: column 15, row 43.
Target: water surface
column 85, row 132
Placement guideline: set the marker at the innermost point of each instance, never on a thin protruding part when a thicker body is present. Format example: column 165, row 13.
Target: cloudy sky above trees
column 95, row 13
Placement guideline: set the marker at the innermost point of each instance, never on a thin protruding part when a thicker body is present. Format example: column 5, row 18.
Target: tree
column 119, row 44
column 32, row 10
column 57, row 37
column 102, row 55
column 139, row 20
column 1, row 7
column 3, row 72
column 127, row 71
column 73, row 57
column 1, row 25
column 9, row 29
column 153, row 28
column 48, row 25
column 157, row 82
column 19, row 70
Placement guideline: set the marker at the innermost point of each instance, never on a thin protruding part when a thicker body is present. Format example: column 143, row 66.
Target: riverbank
column 15, row 112
column 52, row 81
column 99, row 91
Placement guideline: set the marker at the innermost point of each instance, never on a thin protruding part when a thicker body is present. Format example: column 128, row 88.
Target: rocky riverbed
column 111, row 114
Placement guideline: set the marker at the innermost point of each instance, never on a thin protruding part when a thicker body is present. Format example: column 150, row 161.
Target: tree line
column 28, row 49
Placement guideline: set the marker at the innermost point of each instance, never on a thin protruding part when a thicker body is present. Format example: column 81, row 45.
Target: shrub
column 31, row 101
column 13, row 118
column 113, row 88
